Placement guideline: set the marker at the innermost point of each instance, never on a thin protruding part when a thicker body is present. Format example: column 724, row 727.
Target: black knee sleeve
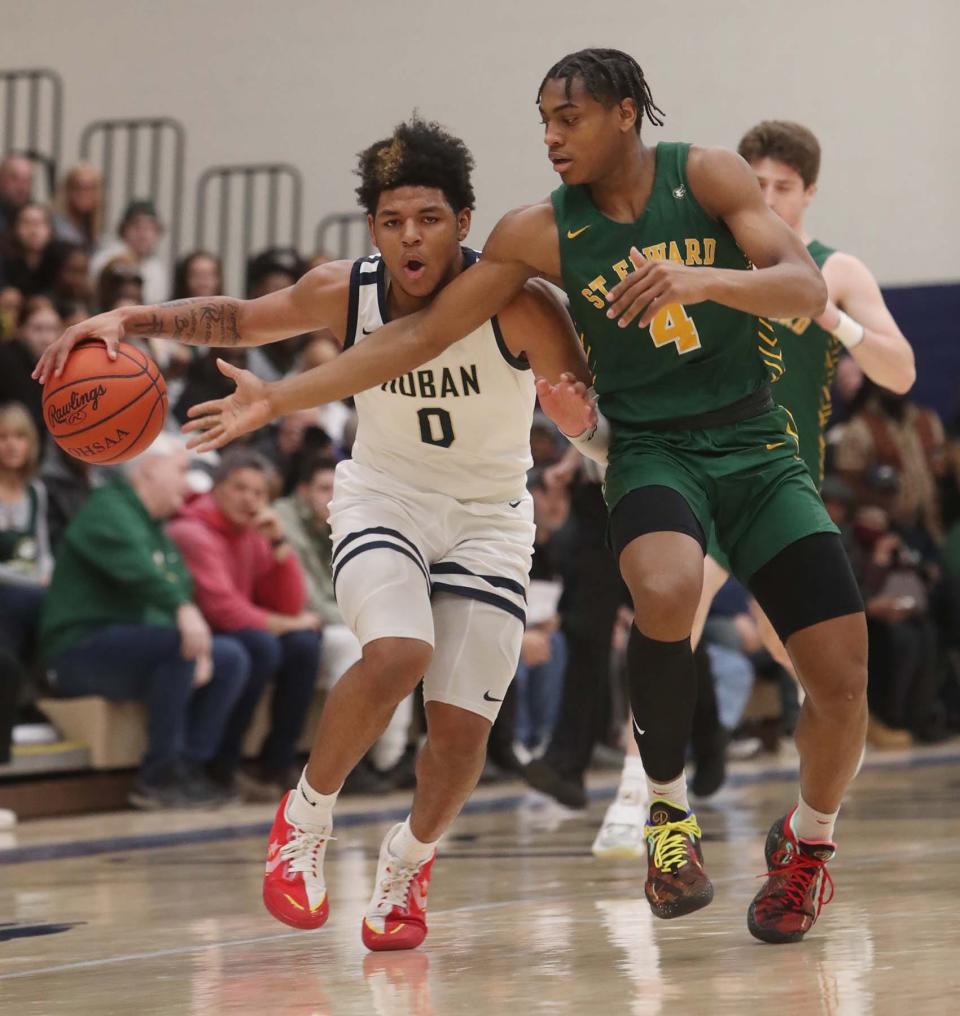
column 807, row 582
column 663, row 692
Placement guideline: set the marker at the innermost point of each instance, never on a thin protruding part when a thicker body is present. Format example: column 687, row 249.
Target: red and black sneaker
column 676, row 882
column 798, row 885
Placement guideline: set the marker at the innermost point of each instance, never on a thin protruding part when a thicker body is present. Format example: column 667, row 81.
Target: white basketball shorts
column 414, row 564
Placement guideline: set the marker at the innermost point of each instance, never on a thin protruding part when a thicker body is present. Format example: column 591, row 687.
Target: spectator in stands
column 139, row 233
column 897, row 586
column 71, row 277
column 291, row 442
column 268, row 272
column 79, row 208
column 16, row 187
column 68, row 482
column 593, row 596
column 28, row 253
column 250, row 586
column 305, row 518
column 38, row 327
column 119, row 283
column 543, row 653
column 890, row 430
column 119, row 622
column 199, row 273
column 11, row 303
column 25, row 559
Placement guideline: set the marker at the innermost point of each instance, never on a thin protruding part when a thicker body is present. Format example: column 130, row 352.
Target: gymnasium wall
column 313, row 81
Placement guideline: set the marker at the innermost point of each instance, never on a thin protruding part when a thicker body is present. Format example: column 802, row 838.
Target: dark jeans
column 291, row 661
column 19, row 616
column 143, row 662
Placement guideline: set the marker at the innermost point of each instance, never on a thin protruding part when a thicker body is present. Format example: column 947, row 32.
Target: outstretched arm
column 399, row 346
column 787, row 283
column 318, row 300
column 880, row 349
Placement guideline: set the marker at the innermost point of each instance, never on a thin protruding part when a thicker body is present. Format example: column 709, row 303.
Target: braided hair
column 609, row 76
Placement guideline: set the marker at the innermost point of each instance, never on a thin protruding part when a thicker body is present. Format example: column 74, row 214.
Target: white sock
column 407, row 848
column 633, row 781
column 308, row 808
column 673, row 791
column 813, row 826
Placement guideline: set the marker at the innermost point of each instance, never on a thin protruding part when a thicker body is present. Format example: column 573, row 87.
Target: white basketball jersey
column 460, row 424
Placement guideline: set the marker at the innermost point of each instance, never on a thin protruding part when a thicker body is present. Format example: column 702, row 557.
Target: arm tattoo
column 200, row 321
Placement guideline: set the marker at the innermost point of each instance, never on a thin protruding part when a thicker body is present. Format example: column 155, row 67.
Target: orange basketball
column 102, row 410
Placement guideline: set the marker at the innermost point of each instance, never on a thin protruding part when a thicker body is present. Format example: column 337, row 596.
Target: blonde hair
column 14, row 416
column 61, row 202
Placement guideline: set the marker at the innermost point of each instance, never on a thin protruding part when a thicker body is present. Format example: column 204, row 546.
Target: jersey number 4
column 436, row 427
column 673, row 325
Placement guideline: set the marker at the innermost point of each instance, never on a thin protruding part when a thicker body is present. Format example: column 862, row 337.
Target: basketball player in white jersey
column 432, row 524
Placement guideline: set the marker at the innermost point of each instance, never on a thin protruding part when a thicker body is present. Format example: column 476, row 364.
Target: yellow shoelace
column 669, row 841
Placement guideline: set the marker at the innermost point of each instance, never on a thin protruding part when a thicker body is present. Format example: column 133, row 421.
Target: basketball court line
column 145, row 841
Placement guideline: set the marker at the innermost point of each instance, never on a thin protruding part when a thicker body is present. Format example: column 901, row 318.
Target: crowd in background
column 201, row 586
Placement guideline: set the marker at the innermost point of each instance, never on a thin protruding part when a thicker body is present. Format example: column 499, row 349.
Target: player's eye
column 571, row 121
column 429, row 220
column 392, row 223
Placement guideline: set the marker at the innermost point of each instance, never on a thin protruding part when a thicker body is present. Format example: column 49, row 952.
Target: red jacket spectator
column 238, row 580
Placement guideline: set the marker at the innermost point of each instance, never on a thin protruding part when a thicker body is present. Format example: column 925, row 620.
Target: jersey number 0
column 436, row 427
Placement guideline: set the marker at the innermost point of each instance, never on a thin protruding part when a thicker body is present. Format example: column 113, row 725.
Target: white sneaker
column 620, row 837
column 397, row 915
column 8, row 819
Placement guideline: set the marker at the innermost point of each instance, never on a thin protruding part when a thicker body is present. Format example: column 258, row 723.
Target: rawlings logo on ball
column 75, row 409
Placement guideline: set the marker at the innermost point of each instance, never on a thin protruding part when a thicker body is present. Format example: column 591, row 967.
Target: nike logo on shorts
column 572, row 234
column 489, row 698
column 365, row 332
column 637, row 725
column 513, row 504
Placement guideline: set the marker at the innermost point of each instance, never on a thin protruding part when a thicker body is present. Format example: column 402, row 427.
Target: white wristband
column 848, row 331
column 594, row 442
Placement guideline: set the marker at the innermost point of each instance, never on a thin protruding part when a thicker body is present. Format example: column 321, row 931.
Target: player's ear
column 627, row 115
column 373, row 237
column 809, row 194
column 464, row 219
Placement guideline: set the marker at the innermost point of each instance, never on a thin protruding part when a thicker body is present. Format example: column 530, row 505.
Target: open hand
column 220, row 421
column 568, row 403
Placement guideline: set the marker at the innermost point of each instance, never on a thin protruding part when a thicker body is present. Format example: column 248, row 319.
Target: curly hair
column 790, row 143
column 419, row 153
column 609, row 76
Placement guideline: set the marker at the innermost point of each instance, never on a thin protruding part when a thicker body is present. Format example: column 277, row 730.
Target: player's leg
column 801, row 578
column 383, row 592
column 474, row 660
column 660, row 545
column 620, row 835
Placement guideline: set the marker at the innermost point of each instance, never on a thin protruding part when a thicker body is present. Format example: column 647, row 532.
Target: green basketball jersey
column 690, row 360
column 810, row 356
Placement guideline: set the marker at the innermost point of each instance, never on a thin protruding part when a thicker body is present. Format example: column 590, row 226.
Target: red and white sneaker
column 293, row 887
column 397, row 915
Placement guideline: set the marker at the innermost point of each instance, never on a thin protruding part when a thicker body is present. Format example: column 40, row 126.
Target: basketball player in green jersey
column 786, row 159
column 655, row 248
